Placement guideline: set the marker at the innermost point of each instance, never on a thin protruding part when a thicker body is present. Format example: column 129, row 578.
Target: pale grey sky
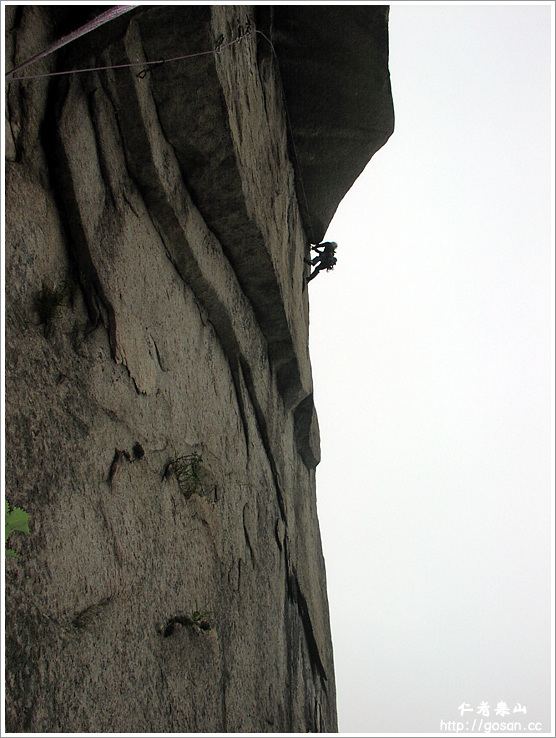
column 432, row 345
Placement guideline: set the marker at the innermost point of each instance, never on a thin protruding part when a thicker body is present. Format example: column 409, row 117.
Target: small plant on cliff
column 188, row 470
column 48, row 301
column 199, row 619
column 17, row 519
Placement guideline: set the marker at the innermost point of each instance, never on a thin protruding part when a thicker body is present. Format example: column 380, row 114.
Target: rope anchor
column 244, row 30
column 219, row 42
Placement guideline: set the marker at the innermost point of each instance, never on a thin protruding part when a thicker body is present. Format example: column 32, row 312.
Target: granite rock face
column 160, row 425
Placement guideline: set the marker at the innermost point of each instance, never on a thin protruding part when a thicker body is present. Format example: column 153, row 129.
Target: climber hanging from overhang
column 325, row 258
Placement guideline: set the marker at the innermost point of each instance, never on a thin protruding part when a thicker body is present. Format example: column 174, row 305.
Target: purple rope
column 128, row 64
column 100, row 20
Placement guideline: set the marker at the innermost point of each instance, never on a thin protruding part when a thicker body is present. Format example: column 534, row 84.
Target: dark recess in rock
column 334, row 67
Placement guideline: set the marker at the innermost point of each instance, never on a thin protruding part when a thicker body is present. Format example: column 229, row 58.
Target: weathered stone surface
column 160, row 425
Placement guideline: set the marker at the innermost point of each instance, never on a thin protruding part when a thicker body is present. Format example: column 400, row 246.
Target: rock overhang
column 333, row 62
column 334, row 67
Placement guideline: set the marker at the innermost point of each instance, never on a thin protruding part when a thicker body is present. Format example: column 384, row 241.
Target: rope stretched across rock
column 101, row 20
column 243, row 32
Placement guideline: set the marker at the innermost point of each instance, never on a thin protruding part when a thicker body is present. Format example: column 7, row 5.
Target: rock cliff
column 160, row 425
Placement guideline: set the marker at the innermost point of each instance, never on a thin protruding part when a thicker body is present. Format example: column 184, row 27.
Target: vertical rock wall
column 160, row 427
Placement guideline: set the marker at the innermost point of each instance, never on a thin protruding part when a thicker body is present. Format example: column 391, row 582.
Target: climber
column 325, row 258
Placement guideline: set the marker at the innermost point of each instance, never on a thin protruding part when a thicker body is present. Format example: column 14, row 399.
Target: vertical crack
column 247, row 538
column 236, row 373
column 297, row 596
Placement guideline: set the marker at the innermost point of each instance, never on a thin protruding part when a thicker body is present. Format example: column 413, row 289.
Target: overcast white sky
column 432, row 344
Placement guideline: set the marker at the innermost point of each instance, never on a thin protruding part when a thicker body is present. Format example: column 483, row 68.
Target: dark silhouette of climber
column 325, row 258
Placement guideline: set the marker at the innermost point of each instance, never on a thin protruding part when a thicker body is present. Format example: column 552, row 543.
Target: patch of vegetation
column 196, row 619
column 17, row 519
column 199, row 619
column 189, row 470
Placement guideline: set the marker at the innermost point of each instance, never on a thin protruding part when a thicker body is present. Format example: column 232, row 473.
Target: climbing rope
column 100, row 20
column 216, row 50
column 118, row 10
